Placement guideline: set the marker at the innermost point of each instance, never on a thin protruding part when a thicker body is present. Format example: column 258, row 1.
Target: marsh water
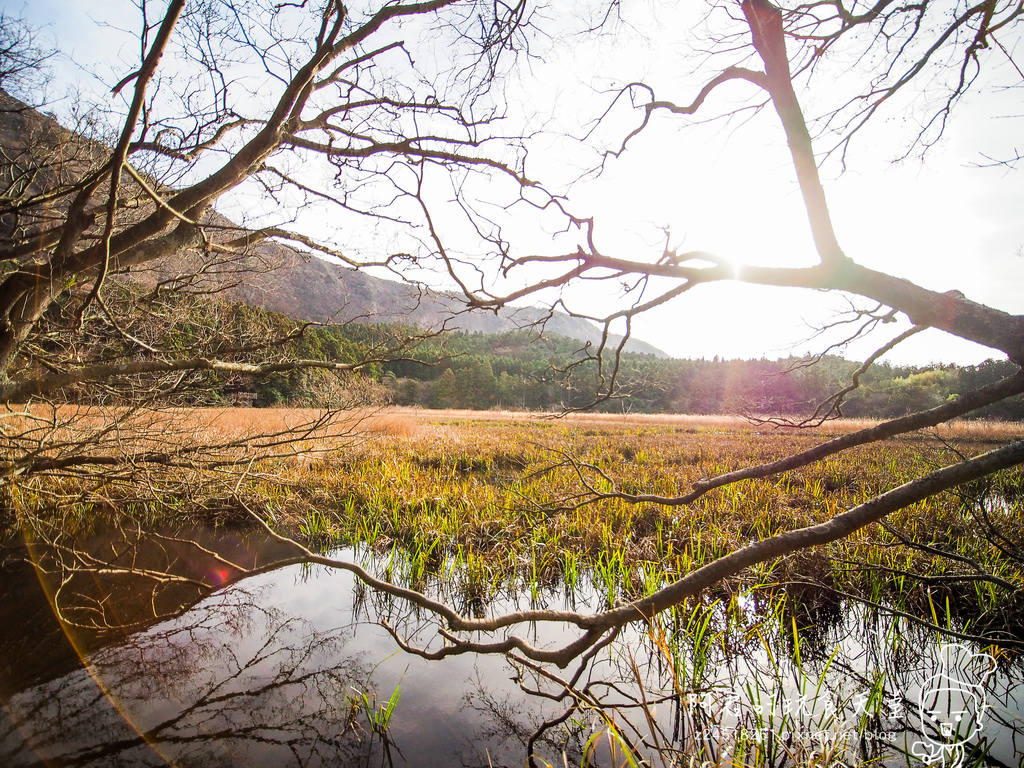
column 200, row 648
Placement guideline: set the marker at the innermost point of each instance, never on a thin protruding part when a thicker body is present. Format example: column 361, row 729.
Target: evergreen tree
column 444, row 392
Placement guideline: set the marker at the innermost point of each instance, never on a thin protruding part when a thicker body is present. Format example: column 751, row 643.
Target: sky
column 727, row 188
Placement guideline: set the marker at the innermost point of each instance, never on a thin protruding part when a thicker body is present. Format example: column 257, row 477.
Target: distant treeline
column 523, row 372
column 520, row 371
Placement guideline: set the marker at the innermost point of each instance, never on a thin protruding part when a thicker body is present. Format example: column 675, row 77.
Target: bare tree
column 151, row 197
column 180, row 147
column 771, row 52
column 110, row 243
column 23, row 59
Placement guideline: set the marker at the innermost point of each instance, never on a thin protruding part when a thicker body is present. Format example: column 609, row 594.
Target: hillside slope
column 272, row 275
column 315, row 290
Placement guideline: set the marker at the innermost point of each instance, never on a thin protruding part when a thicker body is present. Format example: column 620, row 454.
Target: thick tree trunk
column 26, row 295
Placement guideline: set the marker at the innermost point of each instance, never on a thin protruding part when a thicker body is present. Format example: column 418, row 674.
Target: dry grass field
column 504, row 501
column 960, row 429
column 499, row 501
column 222, row 426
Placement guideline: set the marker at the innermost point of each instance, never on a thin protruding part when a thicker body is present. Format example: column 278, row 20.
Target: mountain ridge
column 315, row 290
column 281, row 278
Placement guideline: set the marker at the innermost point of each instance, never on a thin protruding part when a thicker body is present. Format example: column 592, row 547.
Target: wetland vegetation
column 510, row 497
column 335, row 584
column 814, row 658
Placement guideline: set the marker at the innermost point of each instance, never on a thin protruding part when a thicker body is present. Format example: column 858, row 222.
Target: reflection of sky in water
column 276, row 658
column 262, row 673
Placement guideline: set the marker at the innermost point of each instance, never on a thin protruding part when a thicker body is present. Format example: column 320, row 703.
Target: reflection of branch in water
column 236, row 676
column 230, row 680
column 513, row 719
column 123, row 579
column 864, row 690
column 593, row 627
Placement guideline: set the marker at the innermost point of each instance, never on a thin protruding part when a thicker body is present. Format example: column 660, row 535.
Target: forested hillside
column 521, row 370
column 270, row 273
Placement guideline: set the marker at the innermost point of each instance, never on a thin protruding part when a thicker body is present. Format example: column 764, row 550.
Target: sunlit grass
column 488, row 503
column 492, row 502
column 485, row 511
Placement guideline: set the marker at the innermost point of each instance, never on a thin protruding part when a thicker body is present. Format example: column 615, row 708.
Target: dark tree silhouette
column 328, row 94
